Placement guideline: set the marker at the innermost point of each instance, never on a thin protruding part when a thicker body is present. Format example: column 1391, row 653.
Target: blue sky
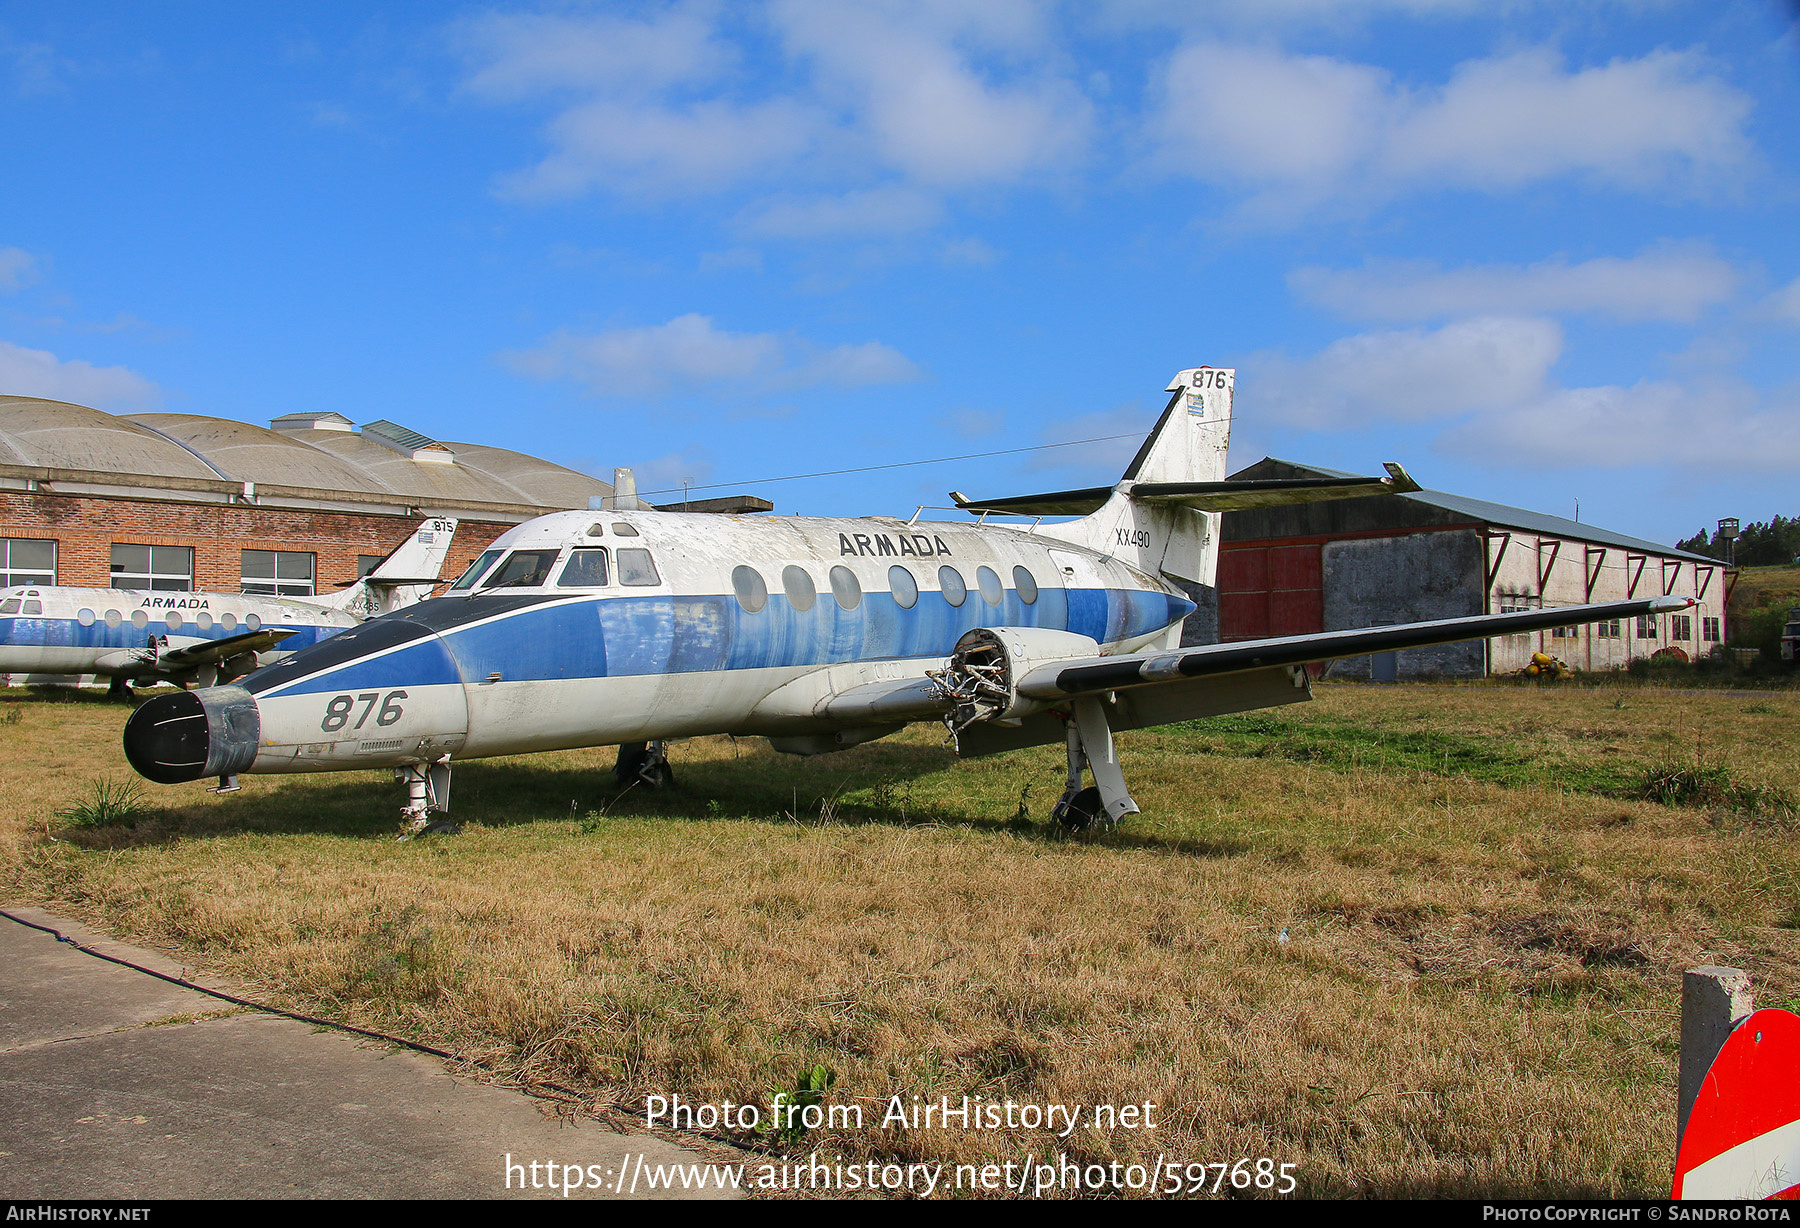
column 1535, row 252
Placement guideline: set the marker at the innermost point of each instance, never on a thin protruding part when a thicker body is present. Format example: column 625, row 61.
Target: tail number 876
column 337, row 712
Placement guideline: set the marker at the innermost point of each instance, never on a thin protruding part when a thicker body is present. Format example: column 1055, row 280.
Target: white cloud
column 18, row 269
column 1405, row 375
column 39, row 373
column 1117, row 432
column 889, row 210
column 1299, row 129
column 1717, row 427
column 690, row 352
column 1784, row 304
column 1676, row 283
column 522, row 55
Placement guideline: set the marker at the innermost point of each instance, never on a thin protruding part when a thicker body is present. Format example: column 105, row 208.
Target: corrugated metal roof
column 1518, row 517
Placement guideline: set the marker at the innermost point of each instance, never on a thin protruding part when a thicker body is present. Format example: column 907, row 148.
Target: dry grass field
column 1414, row 940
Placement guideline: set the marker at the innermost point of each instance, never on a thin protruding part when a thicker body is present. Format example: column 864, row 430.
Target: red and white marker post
column 1743, row 1135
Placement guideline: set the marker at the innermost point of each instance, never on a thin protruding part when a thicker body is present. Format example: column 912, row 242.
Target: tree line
column 1758, row 544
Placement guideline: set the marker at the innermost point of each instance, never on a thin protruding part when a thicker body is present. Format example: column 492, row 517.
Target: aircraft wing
column 1227, row 496
column 917, row 699
column 220, row 650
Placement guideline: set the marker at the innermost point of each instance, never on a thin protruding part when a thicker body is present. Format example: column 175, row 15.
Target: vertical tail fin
column 1187, row 445
column 404, row 577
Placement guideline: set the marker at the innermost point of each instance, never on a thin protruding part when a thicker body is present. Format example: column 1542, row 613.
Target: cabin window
column 989, row 584
column 752, row 592
column 252, row 622
column 904, row 587
column 9, row 606
column 585, row 569
column 167, row 569
column 1026, row 583
column 476, row 570
column 227, row 620
column 139, row 619
column 277, row 573
column 173, row 620
column 524, row 569
column 203, row 620
column 33, row 607
column 637, row 568
column 846, row 588
column 596, row 530
column 27, row 560
column 799, row 587
column 114, row 618
column 951, row 581
column 621, row 529
column 86, row 617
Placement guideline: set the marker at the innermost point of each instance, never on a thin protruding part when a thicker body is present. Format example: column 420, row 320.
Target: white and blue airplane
column 200, row 638
column 632, row 628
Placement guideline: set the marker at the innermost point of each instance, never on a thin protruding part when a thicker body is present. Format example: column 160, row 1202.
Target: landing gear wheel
column 441, row 827
column 120, row 688
column 1080, row 812
column 643, row 763
column 657, row 774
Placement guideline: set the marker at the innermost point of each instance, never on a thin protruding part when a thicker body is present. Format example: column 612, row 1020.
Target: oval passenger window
column 85, row 617
column 846, row 588
column 228, row 621
column 903, row 586
column 114, row 618
column 799, row 587
column 139, row 619
column 752, row 591
column 1026, row 583
column 173, row 620
column 951, row 581
column 989, row 583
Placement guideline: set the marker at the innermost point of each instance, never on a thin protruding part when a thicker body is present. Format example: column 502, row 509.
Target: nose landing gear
column 427, row 790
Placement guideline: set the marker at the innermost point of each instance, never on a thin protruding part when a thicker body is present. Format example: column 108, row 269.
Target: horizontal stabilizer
column 1225, row 496
column 390, row 581
column 220, row 650
column 1067, row 678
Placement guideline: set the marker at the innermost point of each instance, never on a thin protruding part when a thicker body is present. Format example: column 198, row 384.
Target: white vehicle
column 632, row 628
column 197, row 638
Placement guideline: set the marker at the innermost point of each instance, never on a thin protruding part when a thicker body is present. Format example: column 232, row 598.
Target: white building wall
column 1530, row 571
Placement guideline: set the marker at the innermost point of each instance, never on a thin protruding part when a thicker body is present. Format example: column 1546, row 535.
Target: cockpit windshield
column 475, row 571
column 524, row 569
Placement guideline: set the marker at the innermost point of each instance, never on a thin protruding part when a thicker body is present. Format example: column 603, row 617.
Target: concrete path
column 114, row 1084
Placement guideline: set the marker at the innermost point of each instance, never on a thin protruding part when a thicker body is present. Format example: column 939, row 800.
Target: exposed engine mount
column 982, row 675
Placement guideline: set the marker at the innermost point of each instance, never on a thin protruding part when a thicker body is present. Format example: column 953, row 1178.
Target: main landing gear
column 427, row 790
column 644, row 763
column 1090, row 744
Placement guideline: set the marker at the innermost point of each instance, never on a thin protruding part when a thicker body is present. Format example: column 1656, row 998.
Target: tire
column 657, row 774
column 1079, row 813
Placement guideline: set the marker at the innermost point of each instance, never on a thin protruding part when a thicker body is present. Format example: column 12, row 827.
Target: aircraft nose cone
column 193, row 734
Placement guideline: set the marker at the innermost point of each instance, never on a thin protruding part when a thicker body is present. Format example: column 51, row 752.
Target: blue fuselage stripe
column 35, row 631
column 626, row 636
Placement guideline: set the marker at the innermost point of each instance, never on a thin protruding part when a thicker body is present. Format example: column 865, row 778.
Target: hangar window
column 476, row 570
column 1709, row 630
column 951, row 581
column 1026, row 583
column 1565, row 633
column 799, row 587
column 638, row 569
column 846, row 588
column 524, row 569
column 1646, row 626
column 752, row 591
column 277, row 573
column 1681, row 627
column 168, row 569
column 1607, row 629
column 904, row 587
column 27, row 560
column 989, row 584
column 585, row 569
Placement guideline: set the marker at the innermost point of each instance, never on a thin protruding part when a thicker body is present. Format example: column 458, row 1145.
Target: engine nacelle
column 985, row 668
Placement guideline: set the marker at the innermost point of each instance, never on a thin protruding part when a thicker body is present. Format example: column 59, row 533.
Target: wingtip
column 1401, row 479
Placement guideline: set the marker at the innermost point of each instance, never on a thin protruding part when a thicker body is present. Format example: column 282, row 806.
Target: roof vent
column 408, row 443
column 326, row 421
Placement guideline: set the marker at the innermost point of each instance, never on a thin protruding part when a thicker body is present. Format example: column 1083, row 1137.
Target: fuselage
column 596, row 628
column 46, row 629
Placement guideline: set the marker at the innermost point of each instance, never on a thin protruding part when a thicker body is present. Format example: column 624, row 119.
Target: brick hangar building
column 1427, row 555
column 178, row 501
